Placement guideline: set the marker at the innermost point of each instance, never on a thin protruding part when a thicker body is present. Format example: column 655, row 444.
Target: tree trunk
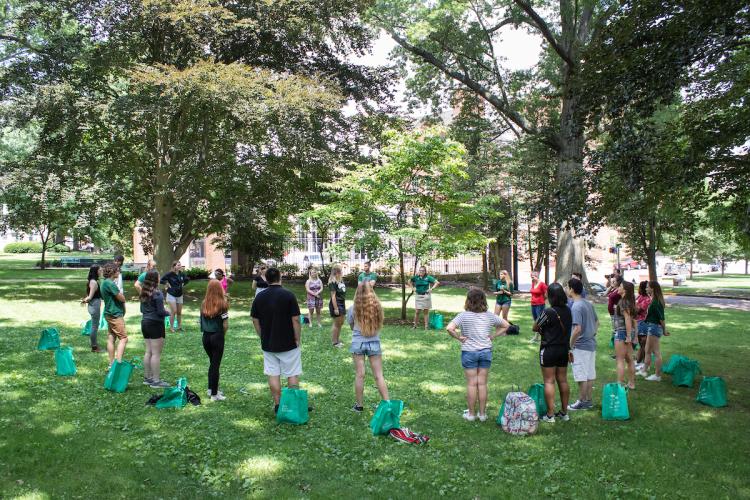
column 569, row 256
column 402, row 273
column 485, row 270
column 514, row 243
column 723, row 265
column 651, row 251
column 162, row 233
column 691, row 269
column 546, row 261
column 531, row 250
column 747, row 257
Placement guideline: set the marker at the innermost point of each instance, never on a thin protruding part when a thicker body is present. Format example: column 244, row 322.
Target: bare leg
column 657, row 355
column 589, row 387
column 548, row 374
column 172, row 314
column 293, row 382
column 482, row 375
column 426, row 318
column 121, row 348
column 147, row 359
column 110, row 347
column 359, row 377
column 642, row 348
column 620, row 355
column 416, row 317
column 471, row 389
column 631, row 365
column 317, row 313
column 156, row 347
column 498, row 309
column 376, row 363
column 336, row 328
column 179, row 316
column 649, row 350
column 561, row 374
column 274, row 383
column 311, row 310
column 506, row 310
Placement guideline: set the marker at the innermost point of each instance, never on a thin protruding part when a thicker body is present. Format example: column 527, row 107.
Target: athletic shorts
column 476, row 359
column 284, row 364
column 584, row 365
column 342, row 309
column 553, row 356
column 116, row 326
column 423, row 301
column 152, row 329
column 174, row 300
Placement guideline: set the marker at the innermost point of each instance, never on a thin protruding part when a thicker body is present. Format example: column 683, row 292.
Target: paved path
column 684, row 300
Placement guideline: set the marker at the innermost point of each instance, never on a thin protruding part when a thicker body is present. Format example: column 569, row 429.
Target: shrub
column 129, row 275
column 288, row 270
column 49, row 263
column 60, row 248
column 23, row 247
column 197, row 273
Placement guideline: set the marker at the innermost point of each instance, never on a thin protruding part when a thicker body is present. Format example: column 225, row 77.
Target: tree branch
column 544, row 29
column 24, row 44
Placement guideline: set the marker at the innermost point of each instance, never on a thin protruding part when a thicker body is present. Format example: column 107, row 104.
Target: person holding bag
column 93, row 300
column 214, row 325
column 114, row 313
column 152, row 328
column 366, row 319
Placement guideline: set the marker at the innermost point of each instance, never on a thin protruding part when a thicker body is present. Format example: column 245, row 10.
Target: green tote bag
column 66, row 365
column 684, row 373
column 86, row 328
column 50, row 340
column 674, row 360
column 387, row 417
column 293, row 407
column 615, row 402
column 119, row 375
column 174, row 397
column 712, row 392
column 536, row 392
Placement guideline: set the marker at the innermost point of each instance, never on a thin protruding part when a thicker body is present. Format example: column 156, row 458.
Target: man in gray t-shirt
column 583, row 345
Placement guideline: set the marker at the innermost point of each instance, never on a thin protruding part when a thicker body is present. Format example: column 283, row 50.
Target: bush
column 197, row 273
column 60, row 248
column 288, row 270
column 129, row 275
column 49, row 263
column 23, row 247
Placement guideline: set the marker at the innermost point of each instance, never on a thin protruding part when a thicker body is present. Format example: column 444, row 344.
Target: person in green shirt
column 151, row 264
column 423, row 284
column 114, row 313
column 655, row 326
column 504, row 292
column 366, row 275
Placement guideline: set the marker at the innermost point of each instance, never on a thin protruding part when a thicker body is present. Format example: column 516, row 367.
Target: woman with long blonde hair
column 366, row 319
column 214, row 325
column 337, row 304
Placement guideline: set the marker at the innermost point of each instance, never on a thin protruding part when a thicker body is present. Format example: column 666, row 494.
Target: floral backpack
column 518, row 415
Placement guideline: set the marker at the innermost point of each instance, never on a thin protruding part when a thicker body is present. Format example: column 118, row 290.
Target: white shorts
column 584, row 365
column 423, row 301
column 285, row 364
column 174, row 300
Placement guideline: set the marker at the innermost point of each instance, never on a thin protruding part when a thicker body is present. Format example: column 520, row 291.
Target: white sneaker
column 468, row 416
column 641, row 373
column 218, row 397
column 654, row 378
column 639, row 367
column 482, row 418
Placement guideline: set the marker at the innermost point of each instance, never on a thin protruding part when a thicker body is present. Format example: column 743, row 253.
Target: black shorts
column 553, row 356
column 152, row 329
column 342, row 309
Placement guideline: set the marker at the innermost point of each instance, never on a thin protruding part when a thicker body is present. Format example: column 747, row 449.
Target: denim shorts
column 621, row 334
column 650, row 329
column 369, row 348
column 536, row 311
column 476, row 359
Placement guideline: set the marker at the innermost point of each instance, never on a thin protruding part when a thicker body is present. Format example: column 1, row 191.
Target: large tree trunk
column 402, row 273
column 164, row 253
column 514, row 237
column 651, row 252
column 485, row 270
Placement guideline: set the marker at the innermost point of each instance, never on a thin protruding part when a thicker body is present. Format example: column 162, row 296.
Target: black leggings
column 213, row 343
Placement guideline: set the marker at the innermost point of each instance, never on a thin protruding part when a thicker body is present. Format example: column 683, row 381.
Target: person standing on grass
column 275, row 315
column 214, row 325
column 613, row 297
column 554, row 325
column 175, row 281
column 538, row 299
column 582, row 353
column 365, row 318
column 625, row 332
column 504, row 293
column 223, row 280
column 337, row 303
column 152, row 328
column 151, row 264
column 579, row 277
column 476, row 325
column 314, row 289
column 93, row 300
column 366, row 275
column 423, row 284
column 641, row 307
column 655, row 326
column 259, row 282
column 119, row 260
column 114, row 313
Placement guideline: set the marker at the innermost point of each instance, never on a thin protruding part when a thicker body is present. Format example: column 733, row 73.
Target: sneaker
column 97, row 349
column 482, row 418
column 639, row 367
column 218, row 397
column 146, row 381
column 548, row 419
column 654, row 378
column 578, row 405
column 468, row 416
column 356, row 408
column 208, row 392
column 642, row 373
column 562, row 416
column 338, row 345
column 587, row 405
column 159, row 384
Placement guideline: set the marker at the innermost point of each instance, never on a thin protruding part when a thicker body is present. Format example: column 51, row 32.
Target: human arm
column 93, row 287
column 573, row 338
column 185, row 279
column 334, row 302
column 159, row 305
column 120, row 297
column 297, row 329
column 307, row 288
column 452, row 331
column 435, row 284
column 350, row 317
column 501, row 326
column 256, row 325
column 628, row 326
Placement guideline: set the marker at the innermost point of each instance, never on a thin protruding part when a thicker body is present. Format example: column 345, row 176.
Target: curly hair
column 215, row 302
column 476, row 300
column 368, row 312
column 150, row 283
column 110, row 270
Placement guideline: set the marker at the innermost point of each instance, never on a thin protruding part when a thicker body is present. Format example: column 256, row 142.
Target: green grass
column 21, row 267
column 729, row 285
column 69, row 438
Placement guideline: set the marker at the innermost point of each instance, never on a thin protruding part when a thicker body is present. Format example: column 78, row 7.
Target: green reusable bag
column 712, row 392
column 684, row 373
column 66, row 365
column 615, row 402
column 437, row 323
column 174, row 397
column 536, row 392
column 50, row 340
column 387, row 417
column 119, row 375
column 86, row 328
column 167, row 324
column 612, row 341
column 674, row 360
column 293, row 407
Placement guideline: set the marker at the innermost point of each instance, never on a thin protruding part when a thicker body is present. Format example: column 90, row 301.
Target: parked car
column 629, row 263
column 670, row 268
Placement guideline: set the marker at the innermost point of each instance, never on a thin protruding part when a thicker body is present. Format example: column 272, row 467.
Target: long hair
column 627, row 302
column 150, row 284
column 215, row 303
column 476, row 301
column 656, row 291
column 642, row 288
column 93, row 275
column 557, row 296
column 368, row 312
column 510, row 278
column 335, row 270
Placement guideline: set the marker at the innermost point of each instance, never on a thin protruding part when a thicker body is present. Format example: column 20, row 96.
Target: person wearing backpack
column 476, row 325
column 365, row 318
column 582, row 354
column 554, row 325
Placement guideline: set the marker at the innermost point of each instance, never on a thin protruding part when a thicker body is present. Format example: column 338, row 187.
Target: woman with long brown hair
column 655, row 326
column 152, row 328
column 624, row 325
column 337, row 303
column 214, row 325
column 366, row 319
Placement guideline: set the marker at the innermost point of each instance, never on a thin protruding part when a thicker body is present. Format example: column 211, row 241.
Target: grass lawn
column 69, row 438
column 22, row 266
column 729, row 285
